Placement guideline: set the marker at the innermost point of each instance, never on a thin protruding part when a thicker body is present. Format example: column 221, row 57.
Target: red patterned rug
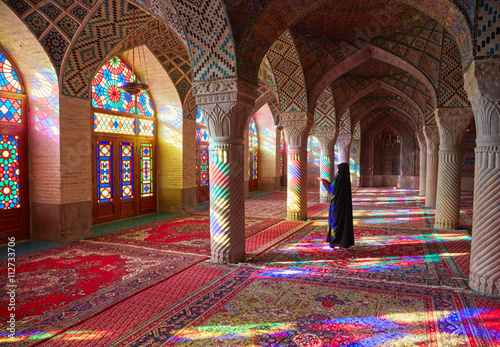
column 61, row 286
column 114, row 323
column 396, row 255
column 455, row 247
column 252, row 308
column 186, row 234
column 271, row 236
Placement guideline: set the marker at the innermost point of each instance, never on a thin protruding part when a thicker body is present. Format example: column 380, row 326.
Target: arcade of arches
column 247, row 97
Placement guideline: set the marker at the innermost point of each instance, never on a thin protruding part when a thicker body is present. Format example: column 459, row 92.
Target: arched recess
column 389, row 105
column 269, row 150
column 359, row 57
column 42, row 92
column 253, row 156
column 313, row 161
column 256, row 28
column 371, row 126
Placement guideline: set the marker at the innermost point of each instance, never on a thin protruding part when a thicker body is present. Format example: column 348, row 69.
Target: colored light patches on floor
column 56, row 335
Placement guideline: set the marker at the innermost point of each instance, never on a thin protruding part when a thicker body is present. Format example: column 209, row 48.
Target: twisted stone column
column 326, row 137
column 227, row 104
column 482, row 83
column 431, row 133
column 296, row 126
column 423, row 162
column 344, row 146
column 452, row 123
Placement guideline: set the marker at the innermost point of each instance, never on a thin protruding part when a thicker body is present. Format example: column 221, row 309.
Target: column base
column 483, row 284
column 296, row 216
column 221, row 258
column 445, row 225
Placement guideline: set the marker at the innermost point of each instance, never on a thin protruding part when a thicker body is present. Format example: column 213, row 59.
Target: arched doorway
column 14, row 206
column 124, row 152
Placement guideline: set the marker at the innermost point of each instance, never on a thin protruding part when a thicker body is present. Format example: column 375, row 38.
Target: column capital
column 482, row 83
column 431, row 133
column 452, row 123
column 297, row 126
column 227, row 104
column 326, row 137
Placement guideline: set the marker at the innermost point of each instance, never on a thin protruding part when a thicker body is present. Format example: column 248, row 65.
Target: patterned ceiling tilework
column 51, row 10
column 210, row 38
column 380, row 113
column 170, row 51
column 56, row 45
column 451, row 86
column 345, row 123
column 189, row 108
column 109, row 25
column 389, row 101
column 356, row 135
column 173, row 20
column 65, row 3
column 324, row 113
column 488, row 28
column 288, row 74
column 80, row 12
column 157, row 8
column 69, row 26
column 19, row 6
column 37, row 23
column 262, row 88
column 469, row 6
column 346, row 87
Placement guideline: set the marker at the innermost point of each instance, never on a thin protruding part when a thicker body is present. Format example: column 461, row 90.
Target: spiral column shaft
column 432, row 140
column 452, row 123
column 297, row 184
column 482, row 83
column 423, row 163
column 326, row 167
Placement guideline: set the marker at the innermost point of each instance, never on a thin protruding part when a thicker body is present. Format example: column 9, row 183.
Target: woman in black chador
column 340, row 214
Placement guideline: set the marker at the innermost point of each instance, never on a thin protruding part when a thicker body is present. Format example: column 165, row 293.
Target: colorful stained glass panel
column 9, row 79
column 202, row 135
column 252, row 128
column 146, row 127
column 107, row 123
column 10, row 110
column 204, row 167
column 104, row 171
column 254, row 163
column 200, row 117
column 107, row 95
column 9, row 172
column 126, row 170
column 146, row 170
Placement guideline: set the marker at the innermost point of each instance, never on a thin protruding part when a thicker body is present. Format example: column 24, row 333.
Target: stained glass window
column 313, row 155
column 200, row 118
column 202, row 135
column 204, row 167
column 106, row 94
column 9, row 172
column 146, row 170
column 104, row 171
column 126, row 170
column 282, row 152
column 146, row 127
column 9, row 79
column 10, row 110
column 253, row 143
column 108, row 123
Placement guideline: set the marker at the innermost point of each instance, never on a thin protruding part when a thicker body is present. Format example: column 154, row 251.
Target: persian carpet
column 408, row 256
column 61, row 286
column 116, row 322
column 455, row 247
column 391, row 217
column 261, row 308
column 269, row 237
column 185, row 234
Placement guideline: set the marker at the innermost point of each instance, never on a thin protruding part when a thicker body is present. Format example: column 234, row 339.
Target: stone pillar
column 297, row 126
column 431, row 133
column 344, row 145
column 227, row 104
column 354, row 165
column 326, row 137
column 452, row 123
column 423, row 162
column 482, row 83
